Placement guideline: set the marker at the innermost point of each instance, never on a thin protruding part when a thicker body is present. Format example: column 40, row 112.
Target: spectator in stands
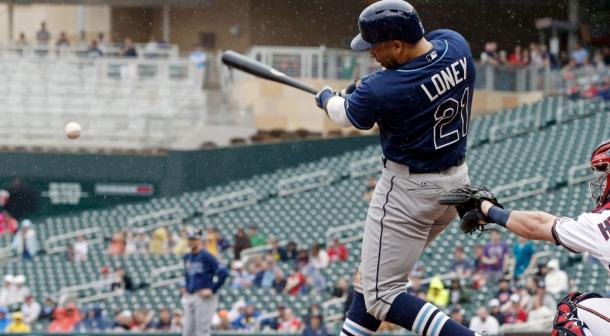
column 415, row 285
column 523, row 251
column 457, row 314
column 580, row 55
column 130, row 243
column 256, row 239
column 176, row 321
column 159, row 243
column 105, row 277
column 22, row 41
column 247, row 319
column 62, row 41
column 30, row 309
column 211, row 241
column 222, row 242
column 69, row 252
column 18, row 325
column 94, row 321
column 7, row 292
column 462, row 266
column 496, row 251
column 164, row 322
column 123, row 321
column 302, row 258
column 43, row 36
column 318, row 257
column 543, row 297
column 220, row 321
column 20, row 289
column 292, row 251
column 266, row 273
column 142, row 241
column 437, row 294
column 241, row 277
column 515, row 313
column 61, row 322
column 276, row 251
column 25, row 243
column 181, row 247
column 240, row 242
column 117, row 245
column 48, row 308
column 81, row 249
column 289, row 323
column 294, row 282
column 504, row 291
column 141, row 320
column 315, row 327
column 490, row 53
column 340, row 289
column 199, row 58
column 337, row 251
column 73, row 314
column 494, row 306
column 457, row 294
column 128, row 49
column 5, row 320
column 556, row 280
column 483, row 323
column 94, row 50
column 279, row 281
column 539, row 312
column 122, row 281
column 101, row 43
column 8, row 224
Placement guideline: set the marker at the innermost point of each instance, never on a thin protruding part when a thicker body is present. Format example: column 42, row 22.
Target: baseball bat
column 258, row 69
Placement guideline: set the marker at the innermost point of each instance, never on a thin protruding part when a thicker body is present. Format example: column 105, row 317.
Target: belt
column 421, row 171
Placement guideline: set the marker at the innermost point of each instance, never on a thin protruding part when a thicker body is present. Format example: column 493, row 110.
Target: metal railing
column 68, row 292
column 304, row 182
column 144, row 50
column 365, row 167
column 580, row 173
column 247, row 254
column 156, row 273
column 338, row 232
column 522, row 188
column 50, row 249
column 229, row 201
column 157, row 219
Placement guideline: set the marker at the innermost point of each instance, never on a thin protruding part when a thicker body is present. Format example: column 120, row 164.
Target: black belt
column 428, row 171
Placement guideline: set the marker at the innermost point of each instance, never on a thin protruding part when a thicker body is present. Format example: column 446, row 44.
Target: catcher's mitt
column 467, row 201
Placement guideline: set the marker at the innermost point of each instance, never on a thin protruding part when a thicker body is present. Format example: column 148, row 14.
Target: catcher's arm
column 536, row 225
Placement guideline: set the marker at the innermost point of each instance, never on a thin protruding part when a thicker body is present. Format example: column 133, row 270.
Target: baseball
column 72, row 130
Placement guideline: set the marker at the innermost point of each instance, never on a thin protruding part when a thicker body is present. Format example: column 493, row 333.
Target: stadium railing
column 144, row 50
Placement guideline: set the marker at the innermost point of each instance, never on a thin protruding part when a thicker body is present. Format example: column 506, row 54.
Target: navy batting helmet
column 387, row 20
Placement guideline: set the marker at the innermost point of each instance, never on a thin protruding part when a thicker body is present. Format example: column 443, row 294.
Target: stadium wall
column 70, row 182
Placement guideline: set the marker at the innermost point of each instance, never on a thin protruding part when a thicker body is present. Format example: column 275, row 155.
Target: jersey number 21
column 446, row 116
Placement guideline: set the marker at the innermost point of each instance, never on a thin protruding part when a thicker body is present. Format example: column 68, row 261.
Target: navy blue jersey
column 422, row 108
column 199, row 272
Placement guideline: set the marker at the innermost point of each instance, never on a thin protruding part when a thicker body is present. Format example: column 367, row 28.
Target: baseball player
column 198, row 295
column 421, row 102
column 578, row 313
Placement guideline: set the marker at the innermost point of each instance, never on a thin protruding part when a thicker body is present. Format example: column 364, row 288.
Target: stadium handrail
column 64, row 293
column 229, row 201
column 519, row 188
column 329, row 235
column 288, row 186
column 143, row 50
column 575, row 178
column 157, row 272
column 134, row 221
column 49, row 249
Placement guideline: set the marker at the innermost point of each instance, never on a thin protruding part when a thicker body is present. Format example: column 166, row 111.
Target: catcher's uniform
column 589, row 232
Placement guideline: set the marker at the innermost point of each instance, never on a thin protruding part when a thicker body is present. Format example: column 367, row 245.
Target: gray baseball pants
column 198, row 313
column 403, row 218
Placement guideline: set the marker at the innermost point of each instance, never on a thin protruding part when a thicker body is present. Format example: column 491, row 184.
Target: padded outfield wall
column 71, row 182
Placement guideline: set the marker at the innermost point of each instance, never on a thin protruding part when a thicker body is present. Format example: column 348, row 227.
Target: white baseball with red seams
column 72, row 130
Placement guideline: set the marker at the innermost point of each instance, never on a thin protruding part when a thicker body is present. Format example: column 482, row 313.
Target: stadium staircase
column 533, row 155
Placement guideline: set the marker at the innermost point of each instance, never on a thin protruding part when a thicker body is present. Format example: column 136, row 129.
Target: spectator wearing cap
column 241, row 277
column 30, row 309
column 21, row 290
column 494, row 306
column 5, row 320
column 176, row 321
column 504, row 291
column 515, row 313
column 461, row 265
column 18, row 325
column 483, row 323
column 25, row 243
column 199, row 294
column 523, row 251
column 7, row 292
column 556, row 280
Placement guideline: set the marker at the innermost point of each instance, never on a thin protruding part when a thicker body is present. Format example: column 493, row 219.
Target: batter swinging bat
column 246, row 64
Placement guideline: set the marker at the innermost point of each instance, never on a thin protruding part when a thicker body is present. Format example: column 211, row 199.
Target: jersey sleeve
column 574, row 234
column 362, row 107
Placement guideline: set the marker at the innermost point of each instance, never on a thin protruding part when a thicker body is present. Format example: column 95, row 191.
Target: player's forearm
column 535, row 225
column 335, row 108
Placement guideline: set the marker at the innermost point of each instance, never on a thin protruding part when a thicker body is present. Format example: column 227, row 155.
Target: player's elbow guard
column 335, row 109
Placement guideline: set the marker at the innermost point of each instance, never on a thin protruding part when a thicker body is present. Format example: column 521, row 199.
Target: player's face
column 387, row 53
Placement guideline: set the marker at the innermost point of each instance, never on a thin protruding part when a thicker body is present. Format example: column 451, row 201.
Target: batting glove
column 349, row 89
column 323, row 96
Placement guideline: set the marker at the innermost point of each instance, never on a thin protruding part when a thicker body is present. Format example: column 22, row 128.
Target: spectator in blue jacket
column 5, row 319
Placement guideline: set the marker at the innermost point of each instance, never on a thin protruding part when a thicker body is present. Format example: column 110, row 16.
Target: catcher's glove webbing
column 467, row 202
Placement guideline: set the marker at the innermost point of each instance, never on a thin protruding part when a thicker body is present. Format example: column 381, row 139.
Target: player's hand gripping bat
column 258, row 69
